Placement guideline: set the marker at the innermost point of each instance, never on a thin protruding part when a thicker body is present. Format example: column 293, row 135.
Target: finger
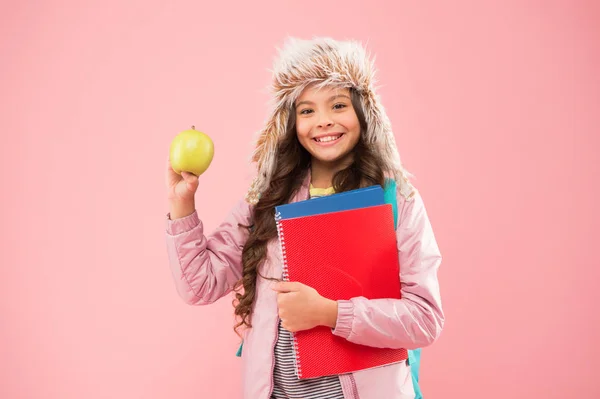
column 287, row 286
column 280, row 287
column 189, row 177
column 280, row 298
column 288, row 327
column 191, row 181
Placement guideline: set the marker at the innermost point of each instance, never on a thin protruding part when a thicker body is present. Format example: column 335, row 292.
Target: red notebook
column 342, row 255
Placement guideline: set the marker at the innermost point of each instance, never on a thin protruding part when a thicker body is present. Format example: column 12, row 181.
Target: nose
column 325, row 121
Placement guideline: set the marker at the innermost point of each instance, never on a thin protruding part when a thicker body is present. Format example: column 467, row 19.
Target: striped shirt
column 286, row 384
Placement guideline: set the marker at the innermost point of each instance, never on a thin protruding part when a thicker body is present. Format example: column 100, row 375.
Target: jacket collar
column 303, row 192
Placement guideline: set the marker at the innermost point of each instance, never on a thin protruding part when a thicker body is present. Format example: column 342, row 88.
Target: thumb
column 286, row 286
column 190, row 179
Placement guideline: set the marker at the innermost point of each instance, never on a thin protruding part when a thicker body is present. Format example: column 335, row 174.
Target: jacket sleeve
column 416, row 320
column 206, row 267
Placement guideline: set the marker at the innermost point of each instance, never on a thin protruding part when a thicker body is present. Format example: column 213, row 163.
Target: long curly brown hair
column 292, row 163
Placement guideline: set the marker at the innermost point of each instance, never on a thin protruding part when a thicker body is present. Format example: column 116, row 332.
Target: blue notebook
column 353, row 199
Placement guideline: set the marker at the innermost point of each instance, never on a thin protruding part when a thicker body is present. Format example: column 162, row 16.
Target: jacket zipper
column 273, row 359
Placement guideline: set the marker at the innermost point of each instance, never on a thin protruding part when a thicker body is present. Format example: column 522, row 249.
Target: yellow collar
column 321, row 191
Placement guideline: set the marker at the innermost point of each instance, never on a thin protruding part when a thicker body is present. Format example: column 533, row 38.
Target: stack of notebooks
column 344, row 246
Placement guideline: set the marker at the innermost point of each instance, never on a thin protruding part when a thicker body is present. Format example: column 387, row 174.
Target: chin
column 329, row 158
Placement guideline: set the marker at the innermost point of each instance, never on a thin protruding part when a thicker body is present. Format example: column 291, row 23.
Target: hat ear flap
column 380, row 135
column 373, row 118
column 265, row 154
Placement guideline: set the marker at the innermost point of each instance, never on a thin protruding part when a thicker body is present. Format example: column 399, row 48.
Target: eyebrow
column 330, row 99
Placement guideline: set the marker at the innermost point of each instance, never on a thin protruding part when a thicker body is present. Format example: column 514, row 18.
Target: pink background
column 495, row 108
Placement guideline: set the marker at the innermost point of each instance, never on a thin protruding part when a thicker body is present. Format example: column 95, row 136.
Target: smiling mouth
column 328, row 139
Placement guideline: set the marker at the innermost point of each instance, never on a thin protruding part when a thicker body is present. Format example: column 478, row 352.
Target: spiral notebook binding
column 282, row 245
column 286, row 277
column 297, row 357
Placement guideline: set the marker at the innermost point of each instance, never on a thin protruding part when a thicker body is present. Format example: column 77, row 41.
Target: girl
column 327, row 133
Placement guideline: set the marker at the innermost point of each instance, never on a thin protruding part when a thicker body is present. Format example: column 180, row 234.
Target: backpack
column 414, row 355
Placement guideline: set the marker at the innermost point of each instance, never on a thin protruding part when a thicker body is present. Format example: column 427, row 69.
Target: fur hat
column 324, row 62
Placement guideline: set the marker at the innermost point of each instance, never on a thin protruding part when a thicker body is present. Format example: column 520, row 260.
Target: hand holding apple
column 190, row 155
column 182, row 186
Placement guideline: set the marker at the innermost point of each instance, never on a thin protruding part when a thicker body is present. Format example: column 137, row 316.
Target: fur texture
column 324, row 62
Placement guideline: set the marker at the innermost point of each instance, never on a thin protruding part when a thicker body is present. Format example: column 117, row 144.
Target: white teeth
column 328, row 138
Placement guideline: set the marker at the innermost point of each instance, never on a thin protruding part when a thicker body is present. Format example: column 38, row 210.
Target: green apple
column 191, row 151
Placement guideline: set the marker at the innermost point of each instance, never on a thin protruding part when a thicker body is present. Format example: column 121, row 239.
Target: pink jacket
column 206, row 266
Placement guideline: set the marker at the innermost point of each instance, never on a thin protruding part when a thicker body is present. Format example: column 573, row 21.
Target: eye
column 339, row 106
column 306, row 111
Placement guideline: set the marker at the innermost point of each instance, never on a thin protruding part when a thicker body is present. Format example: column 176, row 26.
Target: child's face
column 327, row 125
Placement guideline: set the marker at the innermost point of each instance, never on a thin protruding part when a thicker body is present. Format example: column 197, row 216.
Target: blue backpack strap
column 414, row 359
column 414, row 356
column 389, row 196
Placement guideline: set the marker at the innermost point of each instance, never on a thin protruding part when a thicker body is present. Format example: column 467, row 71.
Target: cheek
column 351, row 122
column 302, row 130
